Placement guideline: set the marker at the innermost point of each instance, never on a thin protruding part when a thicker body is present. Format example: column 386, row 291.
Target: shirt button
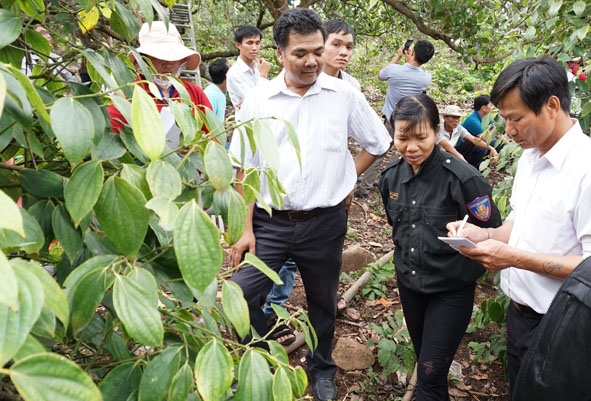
column 414, row 273
column 413, row 202
column 413, row 226
column 412, row 249
column 447, row 161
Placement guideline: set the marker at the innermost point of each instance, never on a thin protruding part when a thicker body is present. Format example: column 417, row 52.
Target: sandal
column 283, row 335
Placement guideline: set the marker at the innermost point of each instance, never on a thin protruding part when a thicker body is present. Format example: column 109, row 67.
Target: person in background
column 548, row 232
column 403, row 80
column 54, row 60
column 216, row 91
column 451, row 131
column 422, row 191
column 310, row 226
column 249, row 69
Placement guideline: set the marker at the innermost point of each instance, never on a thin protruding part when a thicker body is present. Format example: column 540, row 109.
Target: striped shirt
column 324, row 118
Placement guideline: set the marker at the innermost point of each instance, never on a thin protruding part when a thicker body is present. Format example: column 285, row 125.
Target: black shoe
column 324, row 389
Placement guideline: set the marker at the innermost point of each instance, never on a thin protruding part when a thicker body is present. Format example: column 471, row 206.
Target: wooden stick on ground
column 410, row 390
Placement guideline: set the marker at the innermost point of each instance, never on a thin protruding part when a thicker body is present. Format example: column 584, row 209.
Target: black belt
column 525, row 309
column 303, row 215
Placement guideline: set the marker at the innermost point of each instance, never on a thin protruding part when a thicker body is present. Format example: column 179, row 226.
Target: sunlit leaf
column 218, row 166
column 10, row 216
column 254, row 378
column 197, row 246
column 50, row 377
column 281, row 385
column 235, row 307
column 10, row 27
column 214, row 371
column 87, row 20
column 83, row 189
column 146, row 123
column 8, row 284
column 74, row 128
column 164, row 180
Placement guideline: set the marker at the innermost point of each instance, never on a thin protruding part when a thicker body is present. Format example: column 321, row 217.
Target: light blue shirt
column 217, row 98
column 403, row 80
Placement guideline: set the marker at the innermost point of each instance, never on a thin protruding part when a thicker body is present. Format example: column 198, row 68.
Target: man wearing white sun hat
column 163, row 49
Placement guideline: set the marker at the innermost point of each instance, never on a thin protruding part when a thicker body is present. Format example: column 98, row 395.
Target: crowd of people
column 432, row 189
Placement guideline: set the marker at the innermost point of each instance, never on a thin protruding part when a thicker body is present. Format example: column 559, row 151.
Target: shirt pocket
column 398, row 214
column 435, row 220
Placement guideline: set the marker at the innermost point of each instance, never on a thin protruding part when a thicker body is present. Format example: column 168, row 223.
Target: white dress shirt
column 551, row 204
column 324, row 118
column 457, row 133
column 241, row 79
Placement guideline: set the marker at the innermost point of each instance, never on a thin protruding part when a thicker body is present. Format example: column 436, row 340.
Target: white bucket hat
column 157, row 42
column 452, row 110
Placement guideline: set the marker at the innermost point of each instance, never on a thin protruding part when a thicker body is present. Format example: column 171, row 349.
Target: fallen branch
column 410, row 390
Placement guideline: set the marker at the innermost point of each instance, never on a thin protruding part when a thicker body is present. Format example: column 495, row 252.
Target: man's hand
column 245, row 244
column 494, row 155
column 348, row 201
column 493, row 255
column 264, row 67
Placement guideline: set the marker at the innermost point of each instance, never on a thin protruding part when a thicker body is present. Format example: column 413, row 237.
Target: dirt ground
column 369, row 229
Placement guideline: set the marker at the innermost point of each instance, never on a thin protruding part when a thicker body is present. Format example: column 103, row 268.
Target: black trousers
column 436, row 323
column 316, row 246
column 522, row 322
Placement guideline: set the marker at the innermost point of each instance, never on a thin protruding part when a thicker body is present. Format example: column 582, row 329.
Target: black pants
column 316, row 246
column 436, row 323
column 522, row 323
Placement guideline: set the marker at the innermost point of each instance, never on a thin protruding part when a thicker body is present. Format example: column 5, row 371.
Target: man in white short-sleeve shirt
column 548, row 233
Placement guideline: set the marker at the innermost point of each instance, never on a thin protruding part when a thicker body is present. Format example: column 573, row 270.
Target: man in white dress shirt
column 548, row 232
column 249, row 69
column 311, row 224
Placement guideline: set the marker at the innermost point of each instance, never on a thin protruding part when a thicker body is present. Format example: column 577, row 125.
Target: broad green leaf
column 158, row 375
column 146, row 9
column 164, row 180
column 31, row 243
column 95, row 61
column 10, row 27
column 278, row 351
column 8, row 284
column 121, row 382
column 74, row 128
column 30, row 347
column 250, row 259
column 51, row 377
column 207, row 298
column 54, row 297
column 299, row 381
column 45, row 325
column 124, row 22
column 31, row 93
column 579, row 7
column 254, row 378
column 281, row 385
column 102, row 261
column 10, row 215
column 136, row 176
column 33, row 8
column 42, row 183
column 16, row 325
column 218, row 166
column 181, row 384
column 42, row 212
column 137, row 311
column 122, row 215
column 214, row 371
column 69, row 237
column 554, row 7
column 235, row 307
column 236, row 216
column 146, row 123
column 197, row 246
column 166, row 210
column 85, row 294
column 2, row 96
column 38, row 42
column 185, row 120
column 82, row 189
column 267, row 143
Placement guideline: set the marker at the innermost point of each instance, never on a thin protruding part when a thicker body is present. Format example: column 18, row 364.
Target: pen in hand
column 461, row 226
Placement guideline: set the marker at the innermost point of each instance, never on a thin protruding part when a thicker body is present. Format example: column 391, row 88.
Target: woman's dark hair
column 302, row 21
column 537, row 79
column 416, row 110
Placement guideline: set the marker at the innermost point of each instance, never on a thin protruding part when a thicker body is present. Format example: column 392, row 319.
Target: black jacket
column 419, row 206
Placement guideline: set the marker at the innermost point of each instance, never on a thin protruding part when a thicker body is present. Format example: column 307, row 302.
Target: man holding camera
column 403, row 80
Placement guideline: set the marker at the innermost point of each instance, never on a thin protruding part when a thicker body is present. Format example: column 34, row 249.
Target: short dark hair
column 537, row 80
column 337, row 25
column 416, row 110
column 481, row 100
column 302, row 21
column 424, row 51
column 217, row 70
column 246, row 31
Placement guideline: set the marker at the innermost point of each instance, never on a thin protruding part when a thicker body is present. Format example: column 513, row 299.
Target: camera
column 407, row 45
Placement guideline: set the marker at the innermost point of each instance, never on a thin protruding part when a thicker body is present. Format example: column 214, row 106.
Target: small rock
column 353, row 314
column 350, row 355
column 355, row 258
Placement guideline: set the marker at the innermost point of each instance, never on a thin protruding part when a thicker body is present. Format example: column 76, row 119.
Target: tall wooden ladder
column 181, row 16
